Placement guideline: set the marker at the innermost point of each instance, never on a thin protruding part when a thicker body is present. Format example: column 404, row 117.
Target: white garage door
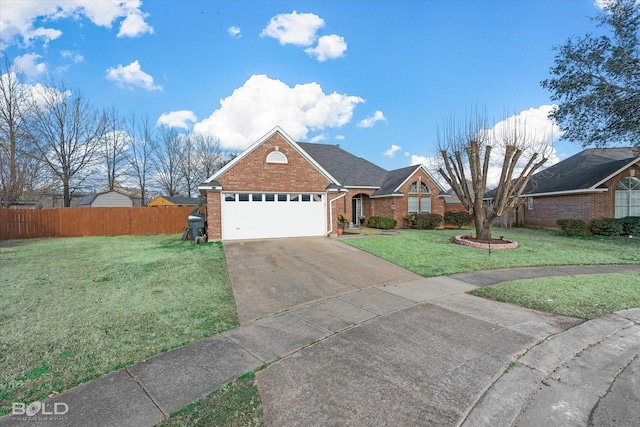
column 270, row 215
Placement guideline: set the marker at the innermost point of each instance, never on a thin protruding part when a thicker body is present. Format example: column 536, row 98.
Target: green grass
column 430, row 253
column 585, row 297
column 73, row 309
column 235, row 405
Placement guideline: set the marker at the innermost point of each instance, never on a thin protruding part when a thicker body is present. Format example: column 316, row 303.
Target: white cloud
column 131, row 76
column 534, row 129
column 22, row 21
column 293, row 28
column 177, row 119
column 329, row 47
column 262, row 103
column 29, row 65
column 371, row 121
column 134, row 25
column 35, row 92
column 391, row 152
column 319, row 137
column 234, row 31
column 340, row 137
column 74, row 56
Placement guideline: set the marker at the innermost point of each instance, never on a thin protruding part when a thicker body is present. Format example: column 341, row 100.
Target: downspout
column 331, row 211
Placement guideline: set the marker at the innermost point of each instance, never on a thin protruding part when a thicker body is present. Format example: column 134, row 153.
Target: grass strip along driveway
column 72, row 309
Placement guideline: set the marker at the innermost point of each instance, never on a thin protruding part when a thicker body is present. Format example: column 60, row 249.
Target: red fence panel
column 78, row 222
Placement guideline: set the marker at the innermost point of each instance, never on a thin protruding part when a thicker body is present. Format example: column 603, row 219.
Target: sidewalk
column 574, row 367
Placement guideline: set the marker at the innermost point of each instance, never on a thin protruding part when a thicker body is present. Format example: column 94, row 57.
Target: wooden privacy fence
column 77, row 222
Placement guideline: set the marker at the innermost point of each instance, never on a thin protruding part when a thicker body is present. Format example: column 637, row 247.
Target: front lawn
column 431, row 253
column 72, row 309
column 585, row 297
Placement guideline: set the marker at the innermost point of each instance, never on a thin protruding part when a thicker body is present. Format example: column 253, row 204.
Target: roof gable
column 211, row 183
column 398, row 177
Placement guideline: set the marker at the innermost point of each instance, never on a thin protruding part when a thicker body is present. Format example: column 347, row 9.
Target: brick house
column 595, row 183
column 281, row 188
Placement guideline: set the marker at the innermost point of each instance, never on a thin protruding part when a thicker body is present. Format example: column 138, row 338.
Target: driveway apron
column 272, row 275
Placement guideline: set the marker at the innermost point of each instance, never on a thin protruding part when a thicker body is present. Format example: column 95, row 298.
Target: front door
column 356, row 210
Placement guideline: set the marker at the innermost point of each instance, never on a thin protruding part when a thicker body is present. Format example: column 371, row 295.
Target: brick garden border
column 461, row 239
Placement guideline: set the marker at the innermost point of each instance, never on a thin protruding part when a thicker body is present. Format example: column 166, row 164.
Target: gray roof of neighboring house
column 88, row 199
column 582, row 171
column 352, row 171
column 182, row 200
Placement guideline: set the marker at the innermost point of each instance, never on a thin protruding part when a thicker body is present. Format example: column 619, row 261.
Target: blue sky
column 376, row 77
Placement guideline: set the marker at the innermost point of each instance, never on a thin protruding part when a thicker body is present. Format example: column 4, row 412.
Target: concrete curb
column 567, row 379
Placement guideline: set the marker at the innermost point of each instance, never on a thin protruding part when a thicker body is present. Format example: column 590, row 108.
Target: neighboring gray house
column 108, row 199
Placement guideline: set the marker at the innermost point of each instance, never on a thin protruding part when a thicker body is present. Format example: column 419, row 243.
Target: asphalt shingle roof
column 348, row 169
column 177, row 200
column 580, row 171
column 88, row 199
column 352, row 171
column 393, row 179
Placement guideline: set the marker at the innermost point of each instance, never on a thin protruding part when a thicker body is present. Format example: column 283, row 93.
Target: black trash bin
column 197, row 225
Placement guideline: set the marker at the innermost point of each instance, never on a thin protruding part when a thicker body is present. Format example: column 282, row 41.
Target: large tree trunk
column 483, row 230
column 66, row 193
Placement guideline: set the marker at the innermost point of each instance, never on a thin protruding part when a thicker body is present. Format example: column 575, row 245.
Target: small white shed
column 108, row 199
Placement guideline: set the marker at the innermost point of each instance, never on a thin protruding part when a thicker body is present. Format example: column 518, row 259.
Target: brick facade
column 252, row 173
column 585, row 206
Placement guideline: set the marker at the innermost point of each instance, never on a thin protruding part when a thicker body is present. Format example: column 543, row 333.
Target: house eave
column 379, row 196
column 364, row 187
column 210, row 187
column 562, row 193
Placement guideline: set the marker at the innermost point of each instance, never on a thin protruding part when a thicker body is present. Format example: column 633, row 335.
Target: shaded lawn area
column 431, row 253
column 72, row 309
column 585, row 296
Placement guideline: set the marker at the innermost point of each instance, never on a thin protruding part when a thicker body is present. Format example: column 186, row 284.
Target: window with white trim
column 530, row 203
column 417, row 203
column 277, row 157
column 628, row 197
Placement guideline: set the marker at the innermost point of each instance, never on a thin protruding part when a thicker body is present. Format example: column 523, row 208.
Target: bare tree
column 113, row 145
column 465, row 150
column 65, row 130
column 19, row 167
column 140, row 155
column 209, row 156
column 167, row 161
column 187, row 167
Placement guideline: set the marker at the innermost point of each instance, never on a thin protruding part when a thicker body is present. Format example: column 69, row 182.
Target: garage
column 273, row 215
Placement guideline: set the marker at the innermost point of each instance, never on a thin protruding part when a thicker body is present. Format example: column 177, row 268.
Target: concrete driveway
column 272, row 275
